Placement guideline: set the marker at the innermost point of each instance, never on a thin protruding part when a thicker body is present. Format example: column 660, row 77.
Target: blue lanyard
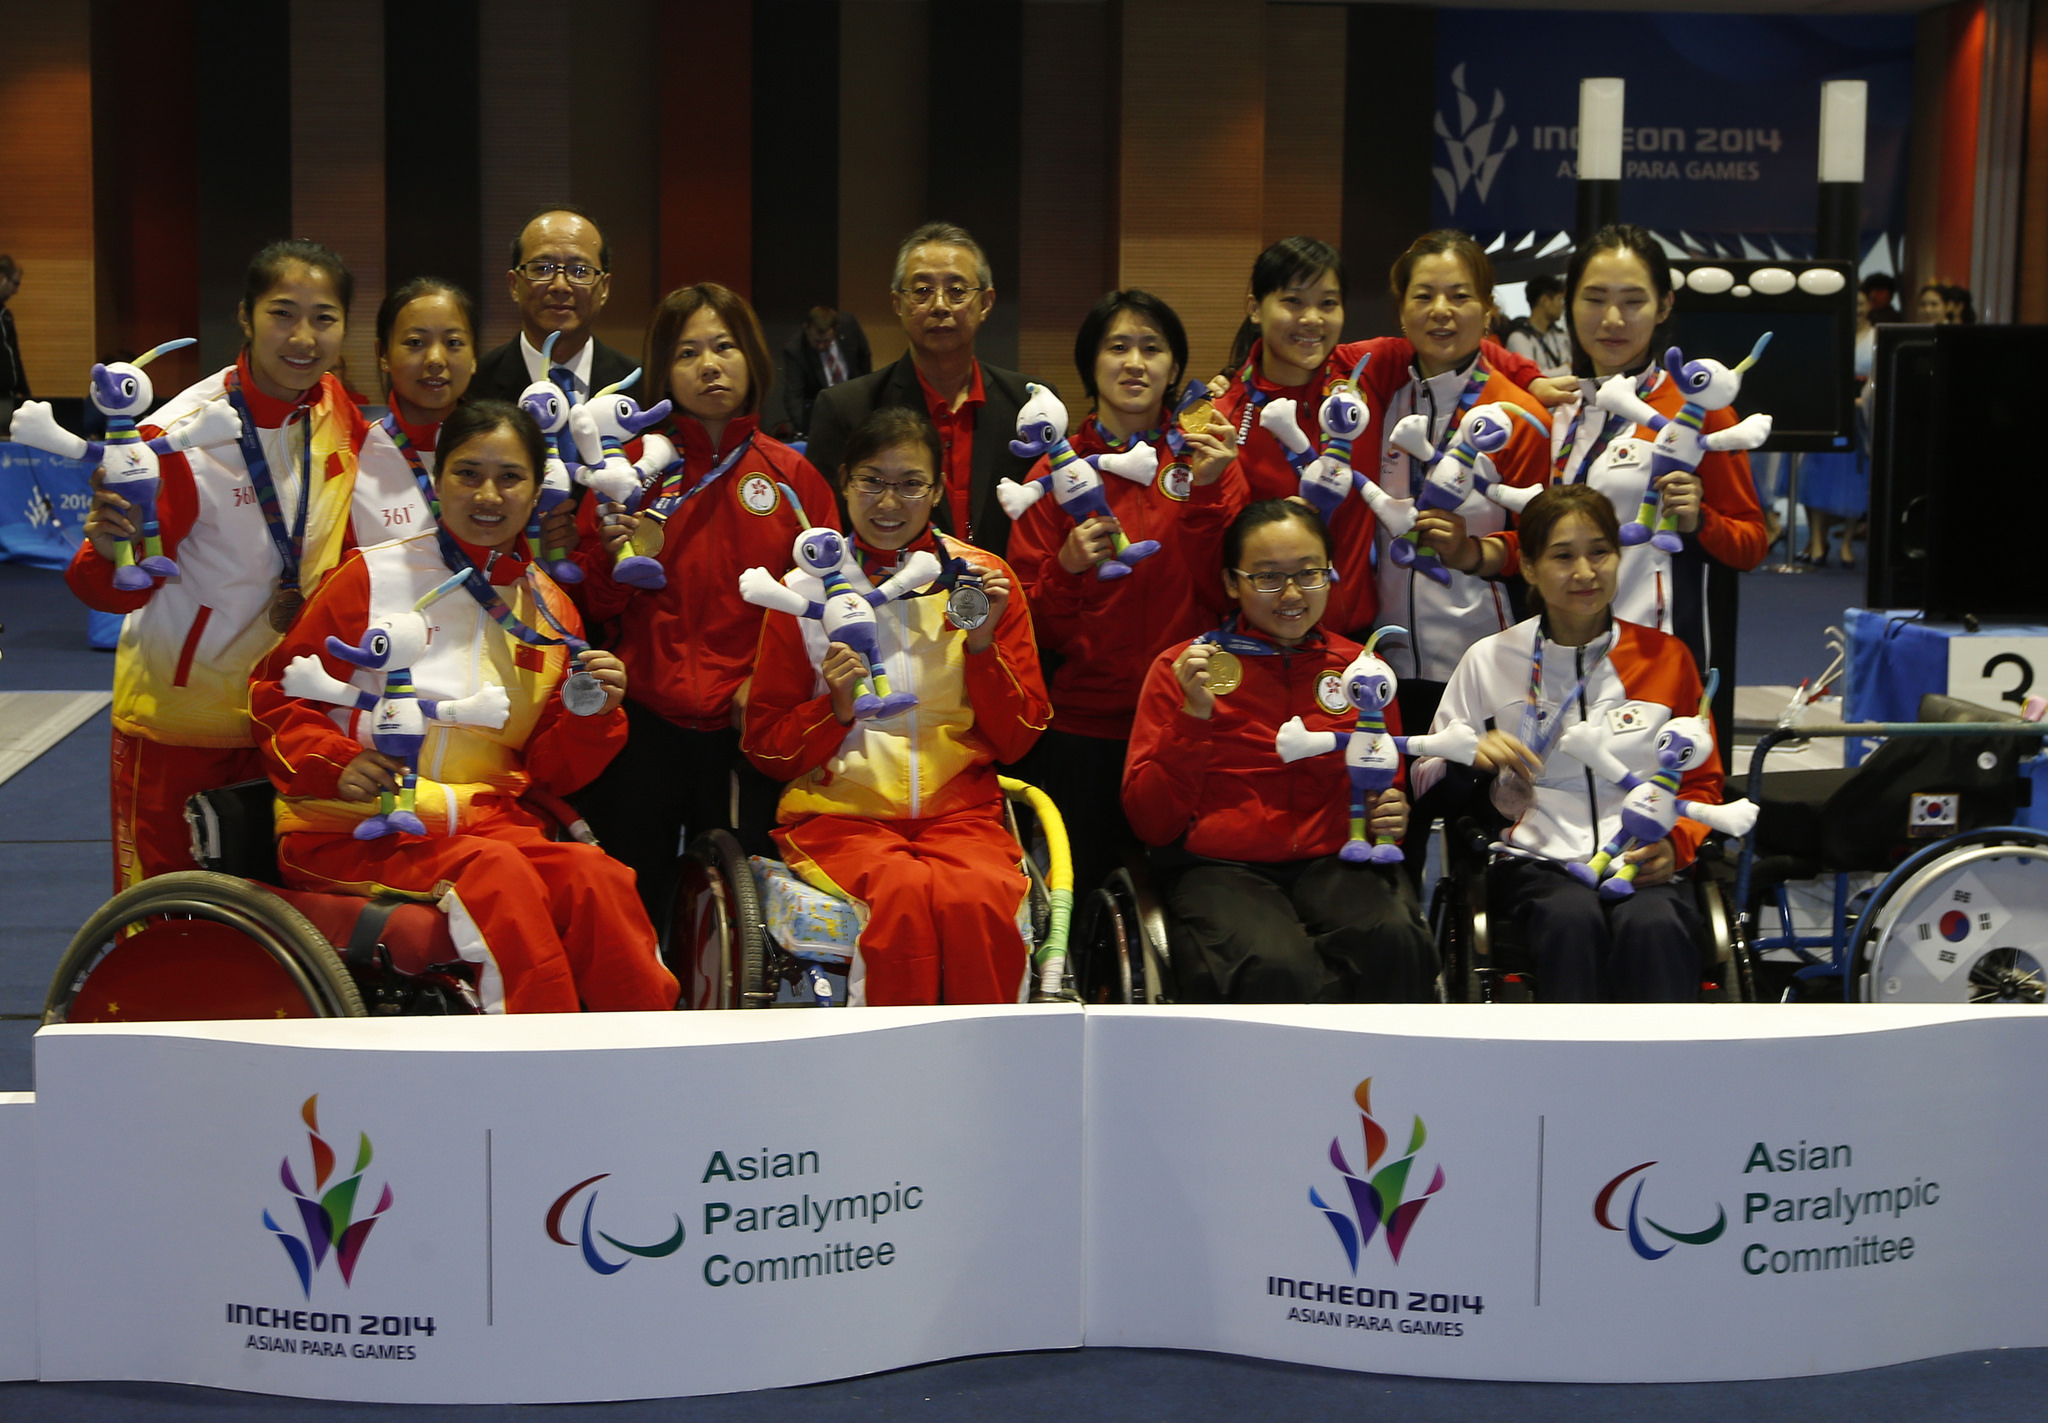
column 258, row 465
column 1230, row 639
column 1610, row 426
column 412, row 457
column 667, row 504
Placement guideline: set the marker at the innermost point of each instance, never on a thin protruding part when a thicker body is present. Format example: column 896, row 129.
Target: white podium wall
column 663, row 1204
column 17, row 1236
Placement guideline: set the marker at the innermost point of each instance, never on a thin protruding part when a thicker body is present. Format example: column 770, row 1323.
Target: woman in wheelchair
column 900, row 812
column 1576, row 663
column 1261, row 907
column 550, row 924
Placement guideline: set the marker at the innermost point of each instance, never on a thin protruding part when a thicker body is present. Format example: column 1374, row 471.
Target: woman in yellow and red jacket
column 1102, row 633
column 551, row 925
column 737, row 500
column 902, row 813
column 1261, row 908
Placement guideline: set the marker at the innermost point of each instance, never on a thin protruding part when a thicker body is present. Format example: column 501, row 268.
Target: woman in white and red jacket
column 737, row 500
column 1261, row 908
column 1588, row 667
column 552, row 925
column 1102, row 634
column 189, row 643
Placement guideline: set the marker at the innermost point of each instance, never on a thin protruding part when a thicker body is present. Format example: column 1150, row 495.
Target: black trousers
column 667, row 779
column 1309, row 931
column 1418, row 703
column 1084, row 776
column 1592, row 950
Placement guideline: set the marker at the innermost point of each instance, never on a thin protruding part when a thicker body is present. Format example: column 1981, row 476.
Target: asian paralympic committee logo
column 329, row 1223
column 591, row 1256
column 1376, row 1199
column 1637, row 1220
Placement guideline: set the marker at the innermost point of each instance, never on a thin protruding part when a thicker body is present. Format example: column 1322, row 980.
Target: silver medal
column 583, row 694
column 967, row 608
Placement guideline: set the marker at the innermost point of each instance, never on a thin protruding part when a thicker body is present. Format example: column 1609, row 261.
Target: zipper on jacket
column 1592, row 791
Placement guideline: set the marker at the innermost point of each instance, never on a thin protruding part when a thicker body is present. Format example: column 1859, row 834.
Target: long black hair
column 1638, row 241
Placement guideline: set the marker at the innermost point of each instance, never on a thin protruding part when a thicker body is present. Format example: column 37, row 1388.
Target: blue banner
column 1722, row 120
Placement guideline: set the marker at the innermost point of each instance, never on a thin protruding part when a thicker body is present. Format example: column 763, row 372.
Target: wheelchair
column 1958, row 913
column 1485, row 959
column 229, row 941
column 749, row 934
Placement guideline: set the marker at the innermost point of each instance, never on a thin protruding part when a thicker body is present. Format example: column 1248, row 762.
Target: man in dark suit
column 560, row 280
column 827, row 350
column 943, row 291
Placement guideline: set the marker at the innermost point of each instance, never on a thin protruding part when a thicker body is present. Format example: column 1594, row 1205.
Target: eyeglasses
column 540, row 273
column 1308, row 580
column 953, row 294
column 910, row 491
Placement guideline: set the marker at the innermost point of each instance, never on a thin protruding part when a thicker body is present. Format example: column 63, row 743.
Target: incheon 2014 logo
column 327, row 1212
column 1637, row 1220
column 591, row 1255
column 1376, row 1194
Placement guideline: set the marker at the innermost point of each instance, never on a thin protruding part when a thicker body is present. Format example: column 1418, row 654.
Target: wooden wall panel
column 704, row 148
column 432, row 176
column 242, row 70
column 2032, row 271
column 523, row 142
column 1387, row 153
column 46, row 218
column 795, row 181
column 612, row 104
column 1305, row 122
column 337, row 68
column 976, row 149
column 1066, row 227
column 883, row 78
column 1191, row 177
column 1923, row 157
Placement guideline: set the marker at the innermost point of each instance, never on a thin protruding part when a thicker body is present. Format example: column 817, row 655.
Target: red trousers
column 559, row 923
column 942, row 897
column 151, row 783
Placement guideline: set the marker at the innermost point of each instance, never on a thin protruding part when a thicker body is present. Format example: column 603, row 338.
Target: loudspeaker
column 1957, row 511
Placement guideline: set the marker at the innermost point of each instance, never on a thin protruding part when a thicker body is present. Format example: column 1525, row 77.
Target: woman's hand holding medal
column 618, row 526
column 1210, row 444
column 606, row 671
column 1192, row 669
column 995, row 586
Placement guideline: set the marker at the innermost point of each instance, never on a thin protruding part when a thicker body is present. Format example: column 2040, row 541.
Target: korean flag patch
column 1629, row 716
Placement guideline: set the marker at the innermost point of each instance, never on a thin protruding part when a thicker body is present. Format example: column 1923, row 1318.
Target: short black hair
column 1540, row 287
column 1262, row 512
column 1620, row 237
column 604, row 248
column 1095, row 326
column 266, row 270
column 405, row 294
column 1879, row 282
column 479, row 417
column 888, row 427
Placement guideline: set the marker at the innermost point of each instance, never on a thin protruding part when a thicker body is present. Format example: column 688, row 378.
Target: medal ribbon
column 254, row 460
column 1530, row 733
column 668, row 501
column 1230, row 639
column 412, row 457
column 1610, row 427
column 478, row 586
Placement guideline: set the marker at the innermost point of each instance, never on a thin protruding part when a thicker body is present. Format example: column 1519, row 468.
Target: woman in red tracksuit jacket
column 1291, row 350
column 1260, row 907
column 738, row 499
column 1101, row 634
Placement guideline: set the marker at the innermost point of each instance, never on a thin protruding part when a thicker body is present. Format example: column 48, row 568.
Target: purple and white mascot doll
column 1371, row 756
column 1073, row 479
column 121, row 392
column 547, row 401
column 1327, row 478
column 601, row 426
column 1464, row 464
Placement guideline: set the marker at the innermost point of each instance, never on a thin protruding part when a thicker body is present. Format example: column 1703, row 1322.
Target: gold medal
column 1226, row 673
column 284, row 608
column 647, row 538
column 1195, row 419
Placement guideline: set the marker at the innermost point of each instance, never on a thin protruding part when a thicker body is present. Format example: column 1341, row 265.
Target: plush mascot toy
column 1706, row 385
column 1652, row 806
column 823, row 558
column 1327, row 479
column 548, row 404
column 601, row 426
column 398, row 714
column 1074, row 481
column 1372, row 757
column 1465, row 463
column 121, row 392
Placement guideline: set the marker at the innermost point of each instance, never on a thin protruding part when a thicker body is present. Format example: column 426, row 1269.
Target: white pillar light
column 1844, row 104
column 1600, row 107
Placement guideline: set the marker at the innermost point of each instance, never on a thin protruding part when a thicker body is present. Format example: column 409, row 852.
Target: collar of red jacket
column 935, row 404
column 879, row 564
column 271, row 414
column 508, row 567
column 1313, row 640
column 695, row 441
column 1092, row 439
column 421, row 436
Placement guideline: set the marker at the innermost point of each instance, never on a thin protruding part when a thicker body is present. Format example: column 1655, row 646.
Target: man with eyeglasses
column 942, row 291
column 560, row 280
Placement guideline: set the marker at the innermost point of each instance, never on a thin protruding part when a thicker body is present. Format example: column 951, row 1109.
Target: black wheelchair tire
column 1874, row 919
column 716, row 866
column 276, row 926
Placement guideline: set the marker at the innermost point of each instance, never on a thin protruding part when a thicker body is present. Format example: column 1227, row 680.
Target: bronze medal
column 1226, row 673
column 284, row 608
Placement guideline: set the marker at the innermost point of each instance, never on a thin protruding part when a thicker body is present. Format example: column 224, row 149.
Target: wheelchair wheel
column 717, row 945
column 1107, row 958
column 1729, row 969
column 1963, row 921
column 196, row 946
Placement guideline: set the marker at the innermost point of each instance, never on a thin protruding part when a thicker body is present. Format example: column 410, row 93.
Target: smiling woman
column 261, row 520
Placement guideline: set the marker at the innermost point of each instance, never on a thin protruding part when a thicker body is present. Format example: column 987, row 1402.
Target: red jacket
column 1107, row 633
column 688, row 647
column 1353, row 601
column 1220, row 784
